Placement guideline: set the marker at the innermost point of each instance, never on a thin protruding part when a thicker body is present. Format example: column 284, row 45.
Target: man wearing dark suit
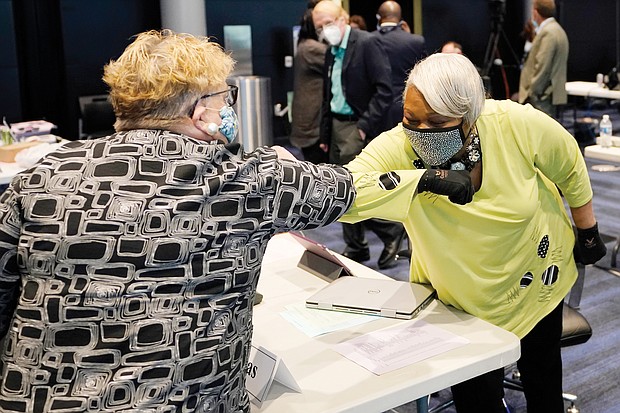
column 404, row 50
column 357, row 94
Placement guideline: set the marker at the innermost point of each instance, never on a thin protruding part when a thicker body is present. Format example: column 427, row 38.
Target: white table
column 611, row 154
column 591, row 90
column 7, row 171
column 332, row 383
column 48, row 143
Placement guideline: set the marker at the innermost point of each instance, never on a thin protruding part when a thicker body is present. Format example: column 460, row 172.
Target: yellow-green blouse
column 506, row 257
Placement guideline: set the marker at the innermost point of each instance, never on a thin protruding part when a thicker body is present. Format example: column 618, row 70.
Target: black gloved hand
column 589, row 246
column 455, row 184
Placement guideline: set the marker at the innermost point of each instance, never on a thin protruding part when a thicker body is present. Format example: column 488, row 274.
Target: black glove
column 455, row 184
column 589, row 246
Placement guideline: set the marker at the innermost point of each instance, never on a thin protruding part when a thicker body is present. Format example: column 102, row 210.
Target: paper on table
column 315, row 322
column 395, row 347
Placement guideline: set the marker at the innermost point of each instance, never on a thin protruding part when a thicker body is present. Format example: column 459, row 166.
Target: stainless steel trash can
column 255, row 111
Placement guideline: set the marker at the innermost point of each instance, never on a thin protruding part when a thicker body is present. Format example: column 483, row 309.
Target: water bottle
column 5, row 135
column 605, row 131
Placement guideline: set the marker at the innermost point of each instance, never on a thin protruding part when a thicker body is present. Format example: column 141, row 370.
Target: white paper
column 392, row 348
column 315, row 322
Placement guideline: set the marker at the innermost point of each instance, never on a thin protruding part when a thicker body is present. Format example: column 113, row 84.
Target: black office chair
column 97, row 116
column 614, row 252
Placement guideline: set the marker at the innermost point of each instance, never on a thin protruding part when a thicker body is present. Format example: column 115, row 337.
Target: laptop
column 375, row 296
column 320, row 260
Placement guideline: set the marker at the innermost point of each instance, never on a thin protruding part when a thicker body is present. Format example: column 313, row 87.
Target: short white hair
column 450, row 84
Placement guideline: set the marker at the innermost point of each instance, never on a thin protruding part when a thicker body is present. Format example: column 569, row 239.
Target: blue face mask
column 230, row 123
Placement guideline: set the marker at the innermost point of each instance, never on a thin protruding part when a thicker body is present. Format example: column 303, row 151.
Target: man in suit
column 357, row 94
column 543, row 77
column 403, row 48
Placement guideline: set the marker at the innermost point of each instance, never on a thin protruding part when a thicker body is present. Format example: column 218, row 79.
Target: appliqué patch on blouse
column 418, row 164
column 526, row 280
column 543, row 246
column 550, row 275
column 389, row 181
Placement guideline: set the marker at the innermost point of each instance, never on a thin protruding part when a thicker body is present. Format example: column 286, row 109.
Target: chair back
column 97, row 116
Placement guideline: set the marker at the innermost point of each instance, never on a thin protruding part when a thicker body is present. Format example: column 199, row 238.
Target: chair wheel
column 572, row 409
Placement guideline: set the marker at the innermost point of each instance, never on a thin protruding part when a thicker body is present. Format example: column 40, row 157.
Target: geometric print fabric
column 129, row 266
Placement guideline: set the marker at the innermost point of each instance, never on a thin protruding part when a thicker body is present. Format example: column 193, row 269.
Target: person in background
column 543, row 76
column 527, row 34
column 358, row 22
column 404, row 50
column 308, row 90
column 452, row 47
column 129, row 263
column 356, row 96
column 477, row 185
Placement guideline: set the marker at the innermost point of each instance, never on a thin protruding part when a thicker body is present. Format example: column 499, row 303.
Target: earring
column 212, row 128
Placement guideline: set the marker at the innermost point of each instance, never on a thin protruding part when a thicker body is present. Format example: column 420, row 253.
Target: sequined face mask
column 435, row 146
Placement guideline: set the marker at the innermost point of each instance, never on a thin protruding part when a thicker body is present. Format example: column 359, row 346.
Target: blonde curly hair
column 160, row 76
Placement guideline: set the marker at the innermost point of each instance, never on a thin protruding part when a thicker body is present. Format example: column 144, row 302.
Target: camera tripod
column 492, row 55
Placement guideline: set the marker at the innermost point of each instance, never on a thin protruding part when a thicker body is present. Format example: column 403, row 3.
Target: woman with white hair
column 475, row 182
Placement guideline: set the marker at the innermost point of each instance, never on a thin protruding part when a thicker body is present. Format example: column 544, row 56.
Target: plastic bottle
column 605, row 131
column 5, row 135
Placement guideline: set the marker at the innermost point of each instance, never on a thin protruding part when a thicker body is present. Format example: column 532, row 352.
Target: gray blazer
column 543, row 76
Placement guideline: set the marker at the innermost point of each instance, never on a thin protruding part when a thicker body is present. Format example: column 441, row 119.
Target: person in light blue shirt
column 357, row 96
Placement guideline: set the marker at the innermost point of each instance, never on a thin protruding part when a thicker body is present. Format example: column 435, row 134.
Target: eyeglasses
column 231, row 95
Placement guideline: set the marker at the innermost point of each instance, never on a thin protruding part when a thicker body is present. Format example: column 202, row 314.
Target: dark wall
column 61, row 47
column 368, row 10
column 40, row 60
column 591, row 31
column 53, row 51
column 487, row 30
column 93, row 33
column 467, row 22
column 272, row 23
column 10, row 99
column 471, row 24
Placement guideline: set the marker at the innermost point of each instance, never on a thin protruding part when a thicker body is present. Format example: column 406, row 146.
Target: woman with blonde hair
column 129, row 263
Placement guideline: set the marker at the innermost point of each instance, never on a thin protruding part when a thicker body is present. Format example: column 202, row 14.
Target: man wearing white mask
column 357, row 95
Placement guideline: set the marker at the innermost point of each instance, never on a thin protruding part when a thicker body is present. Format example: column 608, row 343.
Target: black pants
column 315, row 154
column 387, row 231
column 540, row 366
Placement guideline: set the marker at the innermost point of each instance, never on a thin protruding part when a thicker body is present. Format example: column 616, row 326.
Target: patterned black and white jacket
column 129, row 264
